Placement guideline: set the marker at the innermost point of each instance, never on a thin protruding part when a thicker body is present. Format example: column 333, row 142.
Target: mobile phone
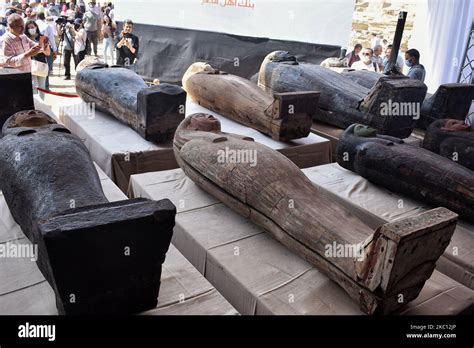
column 43, row 40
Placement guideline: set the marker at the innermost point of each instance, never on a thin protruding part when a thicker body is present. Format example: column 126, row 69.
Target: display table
column 114, row 146
column 382, row 206
column 121, row 152
column 24, row 291
column 254, row 272
column 54, row 105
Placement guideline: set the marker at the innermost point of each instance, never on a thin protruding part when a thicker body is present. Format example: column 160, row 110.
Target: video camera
column 63, row 20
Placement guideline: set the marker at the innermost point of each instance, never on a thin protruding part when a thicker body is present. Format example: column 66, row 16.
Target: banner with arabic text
column 315, row 21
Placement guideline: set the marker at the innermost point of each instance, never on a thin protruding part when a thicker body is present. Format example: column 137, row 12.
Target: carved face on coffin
column 281, row 57
column 456, row 126
column 30, row 118
column 198, row 68
column 364, row 131
column 358, row 135
column 204, row 122
column 31, row 121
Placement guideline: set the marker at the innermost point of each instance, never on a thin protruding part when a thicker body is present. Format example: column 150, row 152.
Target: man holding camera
column 127, row 45
column 68, row 39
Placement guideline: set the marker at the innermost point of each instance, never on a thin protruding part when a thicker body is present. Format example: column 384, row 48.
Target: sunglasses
column 366, row 54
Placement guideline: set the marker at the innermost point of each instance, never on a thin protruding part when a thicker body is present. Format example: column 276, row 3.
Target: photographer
column 67, row 34
column 127, row 45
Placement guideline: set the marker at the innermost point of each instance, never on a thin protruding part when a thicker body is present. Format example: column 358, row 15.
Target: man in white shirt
column 366, row 62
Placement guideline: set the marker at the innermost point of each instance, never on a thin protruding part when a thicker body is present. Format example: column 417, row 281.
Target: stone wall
column 380, row 17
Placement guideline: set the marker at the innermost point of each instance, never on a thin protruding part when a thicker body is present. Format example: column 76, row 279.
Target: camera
column 63, row 20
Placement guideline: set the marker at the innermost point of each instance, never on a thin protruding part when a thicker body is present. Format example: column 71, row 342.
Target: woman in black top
column 33, row 32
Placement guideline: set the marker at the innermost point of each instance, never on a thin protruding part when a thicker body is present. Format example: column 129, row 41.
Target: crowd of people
column 34, row 34
column 377, row 58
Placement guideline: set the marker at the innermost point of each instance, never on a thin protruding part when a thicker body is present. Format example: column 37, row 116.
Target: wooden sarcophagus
column 343, row 102
column 284, row 116
column 387, row 265
column 153, row 112
column 451, row 100
column 407, row 169
column 452, row 139
column 99, row 257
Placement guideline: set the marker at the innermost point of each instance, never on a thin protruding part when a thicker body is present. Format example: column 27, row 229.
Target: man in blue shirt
column 412, row 60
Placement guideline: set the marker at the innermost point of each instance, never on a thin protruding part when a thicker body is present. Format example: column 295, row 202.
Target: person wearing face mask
column 17, row 49
column 412, row 61
column 33, row 33
column 366, row 63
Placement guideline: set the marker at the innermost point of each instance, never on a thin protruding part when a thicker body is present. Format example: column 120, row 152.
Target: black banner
column 166, row 53
column 289, row 330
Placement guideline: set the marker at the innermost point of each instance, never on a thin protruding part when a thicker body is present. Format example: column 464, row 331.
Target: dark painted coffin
column 451, row 100
column 153, row 112
column 408, row 169
column 100, row 257
column 343, row 102
column 452, row 139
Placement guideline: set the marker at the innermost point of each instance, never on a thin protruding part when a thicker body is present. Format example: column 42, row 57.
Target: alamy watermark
column 14, row 250
column 336, row 250
column 244, row 156
column 81, row 109
column 391, row 108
